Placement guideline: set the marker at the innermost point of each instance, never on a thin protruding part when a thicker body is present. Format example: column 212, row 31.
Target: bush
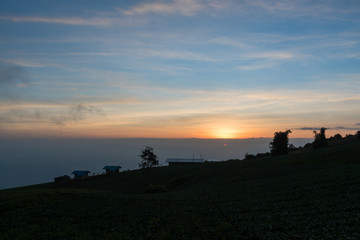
column 358, row 134
column 279, row 146
column 336, row 137
column 320, row 139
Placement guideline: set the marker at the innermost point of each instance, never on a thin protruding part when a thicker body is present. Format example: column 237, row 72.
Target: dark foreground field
column 312, row 195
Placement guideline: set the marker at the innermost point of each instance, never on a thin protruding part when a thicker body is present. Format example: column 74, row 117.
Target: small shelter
column 79, row 174
column 112, row 169
column 183, row 161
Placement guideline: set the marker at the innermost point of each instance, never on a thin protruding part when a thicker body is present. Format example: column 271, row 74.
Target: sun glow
column 225, row 133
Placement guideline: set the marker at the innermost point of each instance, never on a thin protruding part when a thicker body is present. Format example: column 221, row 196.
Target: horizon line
column 174, row 138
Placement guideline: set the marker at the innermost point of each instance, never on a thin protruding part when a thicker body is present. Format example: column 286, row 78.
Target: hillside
column 314, row 194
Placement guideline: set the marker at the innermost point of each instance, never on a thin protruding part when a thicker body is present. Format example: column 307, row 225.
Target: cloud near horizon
column 75, row 113
column 328, row 128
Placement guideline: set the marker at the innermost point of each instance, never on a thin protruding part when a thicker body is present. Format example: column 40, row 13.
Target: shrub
column 279, row 146
column 320, row 139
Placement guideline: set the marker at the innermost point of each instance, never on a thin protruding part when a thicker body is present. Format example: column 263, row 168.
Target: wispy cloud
column 230, row 42
column 59, row 116
column 253, row 47
column 57, row 120
column 308, row 128
column 79, row 111
column 181, row 7
column 316, row 9
column 347, row 82
column 275, row 55
column 28, row 63
column 91, row 54
column 75, row 113
column 191, row 8
column 256, row 66
column 94, row 21
column 13, row 76
column 344, row 128
column 7, row 117
column 282, row 7
column 273, row 6
column 328, row 128
column 174, row 54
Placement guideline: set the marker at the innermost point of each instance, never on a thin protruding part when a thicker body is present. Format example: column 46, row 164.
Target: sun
column 225, row 133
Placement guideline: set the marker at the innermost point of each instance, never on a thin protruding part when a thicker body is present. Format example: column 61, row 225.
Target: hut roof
column 80, row 173
column 112, row 168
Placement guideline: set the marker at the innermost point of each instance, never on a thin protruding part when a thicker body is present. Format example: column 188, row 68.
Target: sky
column 178, row 69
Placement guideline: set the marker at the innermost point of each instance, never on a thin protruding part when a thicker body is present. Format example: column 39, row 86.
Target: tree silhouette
column 292, row 147
column 358, row 134
column 320, row 139
column 279, row 145
column 149, row 159
column 336, row 137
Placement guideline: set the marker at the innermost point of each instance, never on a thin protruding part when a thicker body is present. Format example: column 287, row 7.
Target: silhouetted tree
column 320, row 139
column 307, row 145
column 336, row 137
column 358, row 134
column 279, row 145
column 292, row 147
column 149, row 159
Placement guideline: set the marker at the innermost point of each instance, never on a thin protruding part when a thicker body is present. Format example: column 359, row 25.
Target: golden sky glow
column 208, row 115
column 178, row 69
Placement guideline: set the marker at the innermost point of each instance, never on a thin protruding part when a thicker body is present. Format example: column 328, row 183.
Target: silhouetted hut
column 80, row 174
column 62, row 179
column 112, row 169
column 183, row 161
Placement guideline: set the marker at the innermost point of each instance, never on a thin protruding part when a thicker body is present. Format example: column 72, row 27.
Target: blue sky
column 228, row 69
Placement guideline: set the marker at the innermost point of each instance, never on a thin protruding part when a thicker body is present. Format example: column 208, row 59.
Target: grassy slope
column 299, row 196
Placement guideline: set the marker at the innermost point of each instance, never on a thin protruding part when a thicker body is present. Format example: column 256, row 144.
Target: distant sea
column 33, row 161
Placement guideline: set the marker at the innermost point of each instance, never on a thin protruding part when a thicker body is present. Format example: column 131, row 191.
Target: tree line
column 280, row 144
